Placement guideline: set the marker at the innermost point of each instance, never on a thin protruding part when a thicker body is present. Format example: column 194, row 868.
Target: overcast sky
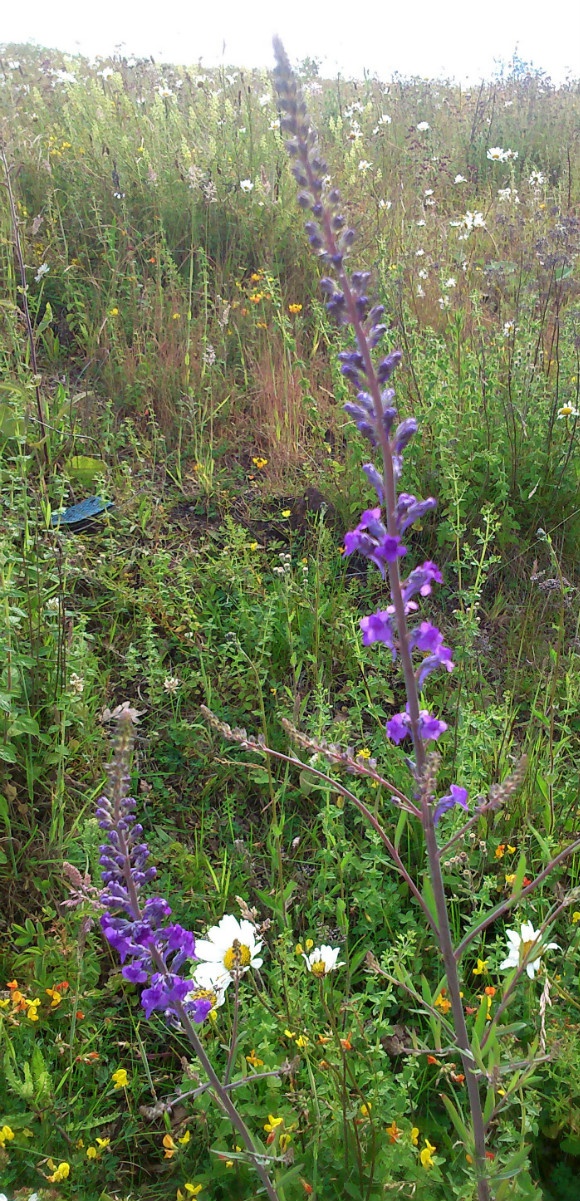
column 446, row 38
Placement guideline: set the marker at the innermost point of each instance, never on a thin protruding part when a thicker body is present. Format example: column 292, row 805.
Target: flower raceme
column 375, row 414
column 151, row 951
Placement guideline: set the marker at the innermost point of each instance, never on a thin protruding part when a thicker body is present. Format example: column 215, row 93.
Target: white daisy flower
column 496, row 154
column 232, row 944
column 322, row 960
column 246, row 185
column 210, row 981
column 460, row 179
column 423, row 126
column 526, row 945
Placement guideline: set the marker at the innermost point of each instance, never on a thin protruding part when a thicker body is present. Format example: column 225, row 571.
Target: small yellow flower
column 511, row 849
column 120, row 1078
column 254, row 1061
column 290, row 1033
column 102, row 1142
column 60, row 1173
column 284, row 1142
column 259, row 325
column 273, row 1123
column 298, row 949
column 426, row 1155
column 256, row 277
column 302, row 1041
column 259, row 462
column 442, row 1002
column 510, row 878
column 366, row 1109
column 481, row 968
column 252, row 545
column 6, row 1134
column 415, row 1136
column 294, row 309
column 364, row 753
column 176, row 316
column 229, row 1163
column 113, row 312
column 576, row 917
column 192, row 1189
column 393, row 1132
column 92, row 1153
column 286, row 512
column 169, row 1145
column 32, row 1009
column 500, row 851
column 309, row 944
column 183, row 1141
column 55, row 997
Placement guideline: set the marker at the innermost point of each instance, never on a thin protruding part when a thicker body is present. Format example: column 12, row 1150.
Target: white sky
column 446, row 38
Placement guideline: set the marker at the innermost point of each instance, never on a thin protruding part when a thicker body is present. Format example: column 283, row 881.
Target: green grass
column 181, row 379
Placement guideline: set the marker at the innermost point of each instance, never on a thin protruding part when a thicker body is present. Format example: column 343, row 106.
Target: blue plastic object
column 81, row 516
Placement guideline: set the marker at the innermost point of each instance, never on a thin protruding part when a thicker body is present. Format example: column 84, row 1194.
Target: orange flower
column 346, row 1043
column 432, row 1059
column 490, row 991
column 307, row 1187
column 393, row 1132
column 500, row 850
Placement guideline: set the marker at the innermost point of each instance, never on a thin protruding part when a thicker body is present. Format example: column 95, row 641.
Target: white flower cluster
column 508, row 195
column 285, row 564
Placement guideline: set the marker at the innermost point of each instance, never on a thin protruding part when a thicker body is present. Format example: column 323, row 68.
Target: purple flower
column 420, row 580
column 426, row 637
column 379, row 628
column 409, row 509
column 457, row 796
column 441, row 658
column 370, row 538
column 399, row 726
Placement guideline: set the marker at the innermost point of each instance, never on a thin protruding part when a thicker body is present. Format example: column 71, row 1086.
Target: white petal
column 229, row 928
column 528, row 932
column 208, row 951
column 511, row 961
column 513, row 937
column 256, row 963
column 532, row 968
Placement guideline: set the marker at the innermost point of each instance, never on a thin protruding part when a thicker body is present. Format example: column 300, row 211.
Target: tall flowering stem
column 152, row 951
column 379, row 533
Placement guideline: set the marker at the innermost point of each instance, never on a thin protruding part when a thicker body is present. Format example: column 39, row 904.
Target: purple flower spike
column 151, row 952
column 375, row 478
column 420, row 580
column 441, row 658
column 457, row 796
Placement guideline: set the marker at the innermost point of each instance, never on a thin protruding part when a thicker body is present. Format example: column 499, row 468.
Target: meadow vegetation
column 179, row 361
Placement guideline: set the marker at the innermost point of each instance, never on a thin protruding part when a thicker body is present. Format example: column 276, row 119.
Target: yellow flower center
column 526, row 947
column 237, row 956
column 205, row 994
column 318, row 968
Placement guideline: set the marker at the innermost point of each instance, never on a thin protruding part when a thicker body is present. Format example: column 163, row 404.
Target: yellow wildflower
column 290, row 1033
column 252, row 545
column 169, row 1145
column 298, row 949
column 55, row 997
column 259, row 462
column 6, row 1134
column 500, row 851
column 481, row 968
column 273, row 1123
column 366, row 1109
column 183, row 1141
column 393, row 1132
column 32, row 1009
column 302, row 1041
column 60, row 1173
column 364, row 753
column 511, row 849
column 442, row 1002
column 102, row 1142
column 254, row 1061
column 256, row 277
column 309, row 944
column 286, row 512
column 176, row 316
column 510, row 878
column 576, row 917
column 415, row 1136
column 294, row 308
column 284, row 1142
column 120, row 1078
column 92, row 1153
column 113, row 312
column 192, row 1189
column 426, row 1155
